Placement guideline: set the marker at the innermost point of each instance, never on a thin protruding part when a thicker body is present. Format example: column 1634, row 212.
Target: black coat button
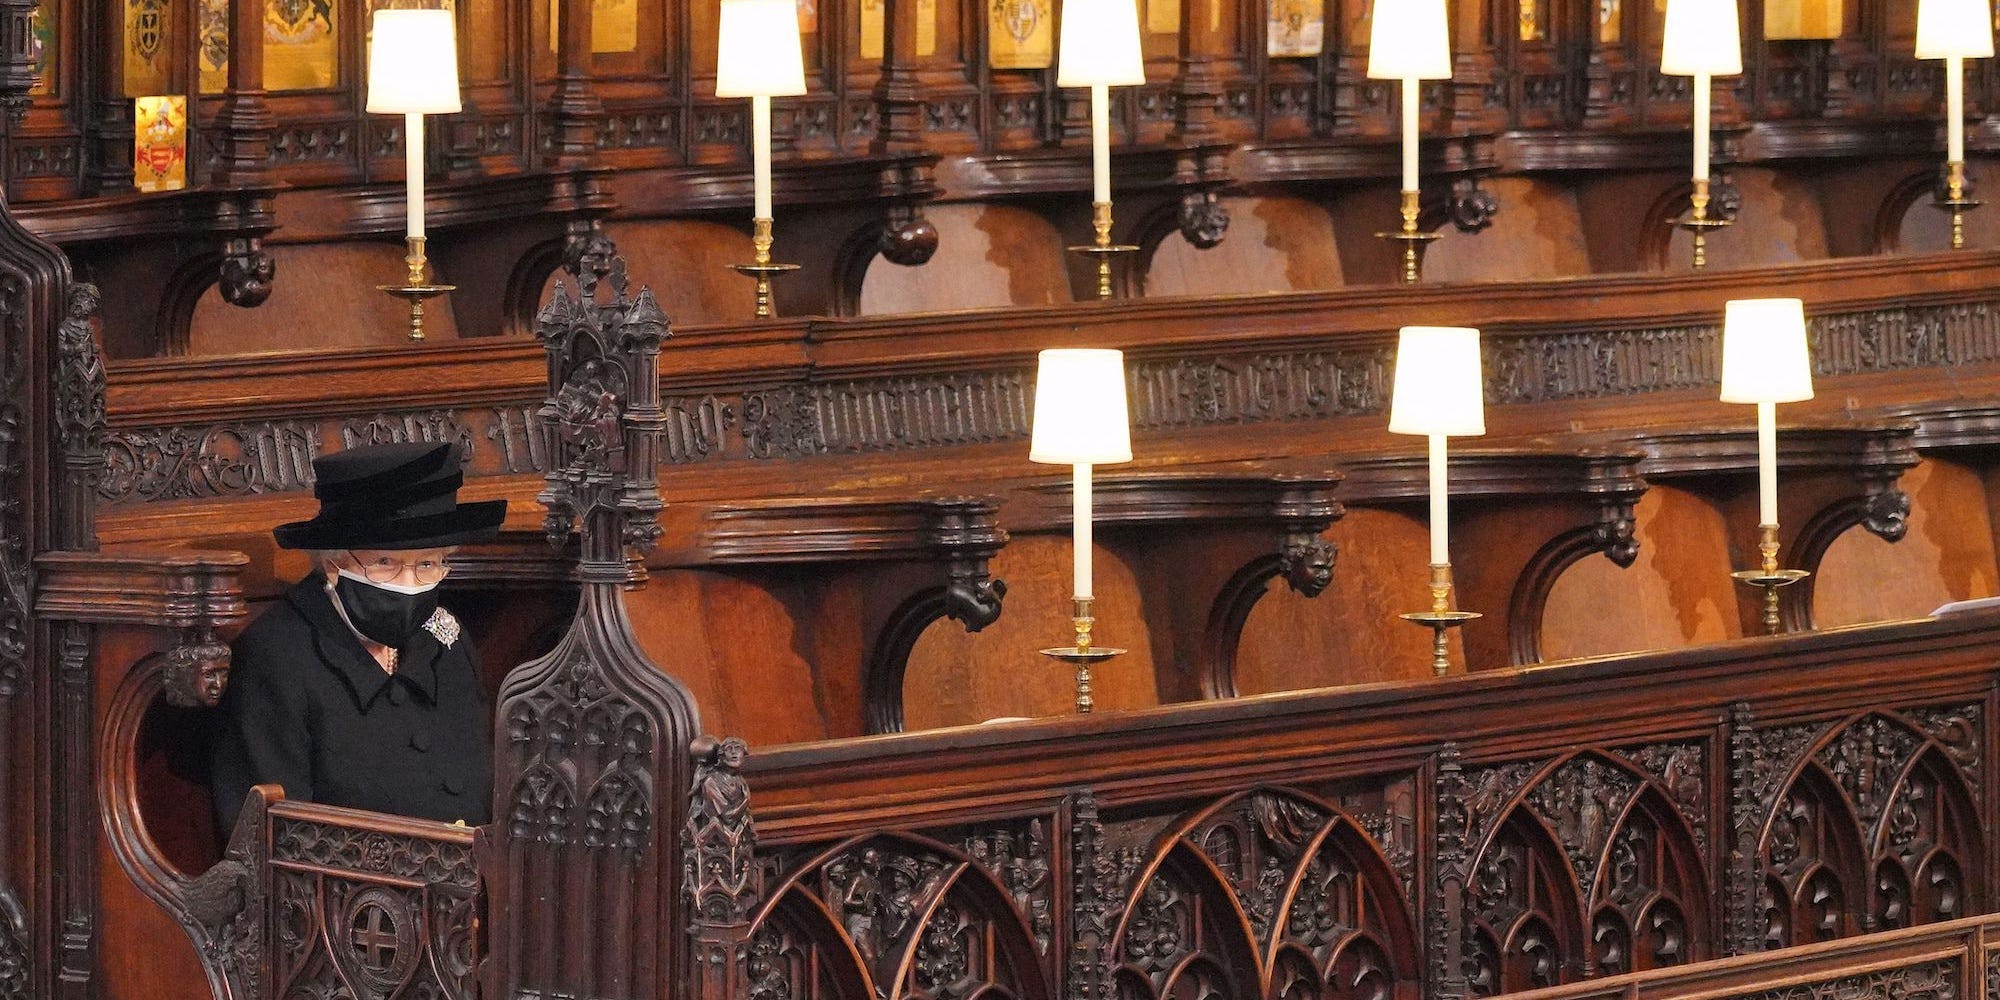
column 420, row 742
column 395, row 693
column 454, row 785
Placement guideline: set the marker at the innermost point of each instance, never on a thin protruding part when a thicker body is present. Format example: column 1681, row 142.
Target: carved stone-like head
column 1307, row 562
column 196, row 674
column 731, row 753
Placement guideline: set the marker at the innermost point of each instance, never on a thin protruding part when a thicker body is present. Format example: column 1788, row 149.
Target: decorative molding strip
column 806, row 417
column 327, row 845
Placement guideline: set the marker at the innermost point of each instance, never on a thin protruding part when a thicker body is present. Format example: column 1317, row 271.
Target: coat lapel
column 336, row 645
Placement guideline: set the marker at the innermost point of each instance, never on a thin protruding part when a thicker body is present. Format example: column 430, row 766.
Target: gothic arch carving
column 900, row 916
column 1584, row 865
column 1297, row 899
column 1875, row 828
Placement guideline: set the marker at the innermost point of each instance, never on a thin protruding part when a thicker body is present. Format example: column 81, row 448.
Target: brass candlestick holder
column 1440, row 619
column 1102, row 248
column 1414, row 243
column 417, row 286
column 1956, row 202
column 1700, row 224
column 1082, row 655
column 761, row 269
column 1768, row 577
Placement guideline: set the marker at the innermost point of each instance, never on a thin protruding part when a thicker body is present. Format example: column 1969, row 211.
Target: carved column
column 1093, row 902
column 591, row 752
column 245, row 124
column 47, row 893
column 1200, row 166
column 724, row 882
column 899, row 101
column 17, row 63
column 1475, row 72
column 1452, row 871
column 109, row 126
column 575, row 113
column 79, row 425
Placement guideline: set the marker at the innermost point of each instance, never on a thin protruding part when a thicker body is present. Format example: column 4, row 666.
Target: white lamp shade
column 1409, row 40
column 1764, row 355
column 1438, row 388
column 1098, row 44
column 757, row 50
column 1080, row 415
column 412, row 62
column 1702, row 36
column 1954, row 28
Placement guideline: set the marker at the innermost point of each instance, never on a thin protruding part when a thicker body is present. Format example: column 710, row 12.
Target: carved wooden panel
column 365, row 910
column 1877, row 825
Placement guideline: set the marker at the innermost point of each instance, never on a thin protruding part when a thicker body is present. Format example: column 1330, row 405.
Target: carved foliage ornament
column 15, row 560
column 15, row 970
column 1936, row 980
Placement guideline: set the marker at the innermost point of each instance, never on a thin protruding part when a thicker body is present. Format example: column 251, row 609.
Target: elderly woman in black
column 355, row 688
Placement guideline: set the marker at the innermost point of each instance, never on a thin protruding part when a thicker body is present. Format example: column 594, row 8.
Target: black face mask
column 387, row 616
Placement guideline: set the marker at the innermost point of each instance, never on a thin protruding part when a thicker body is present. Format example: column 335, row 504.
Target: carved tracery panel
column 1877, row 828
column 1268, row 892
column 902, row 916
column 1587, row 865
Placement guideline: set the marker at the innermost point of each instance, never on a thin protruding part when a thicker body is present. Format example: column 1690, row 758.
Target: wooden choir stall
column 762, row 636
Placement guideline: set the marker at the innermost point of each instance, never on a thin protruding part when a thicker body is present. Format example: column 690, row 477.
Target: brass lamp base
column 762, row 274
column 1700, row 224
column 1956, row 201
column 1440, row 619
column 1102, row 248
column 1414, row 243
column 761, row 270
column 1768, row 577
column 416, row 288
column 1082, row 655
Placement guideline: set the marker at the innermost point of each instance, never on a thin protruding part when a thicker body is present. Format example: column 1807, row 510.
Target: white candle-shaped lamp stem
column 1701, row 40
column 1954, row 102
column 1080, row 504
column 1100, row 143
column 1703, row 131
column 757, row 55
column 1081, row 422
column 1410, row 41
column 1440, row 502
column 1097, row 46
column 413, row 71
column 1766, row 360
column 760, row 155
column 1411, row 96
column 413, row 170
column 1438, row 392
column 1954, row 31
column 1767, row 462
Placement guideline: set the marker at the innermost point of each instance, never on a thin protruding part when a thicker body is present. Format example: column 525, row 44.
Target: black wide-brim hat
column 392, row 496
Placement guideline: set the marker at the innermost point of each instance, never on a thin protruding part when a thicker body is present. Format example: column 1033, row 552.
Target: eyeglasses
column 382, row 567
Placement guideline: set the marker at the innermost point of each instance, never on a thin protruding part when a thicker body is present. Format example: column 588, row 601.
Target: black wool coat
column 309, row 709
